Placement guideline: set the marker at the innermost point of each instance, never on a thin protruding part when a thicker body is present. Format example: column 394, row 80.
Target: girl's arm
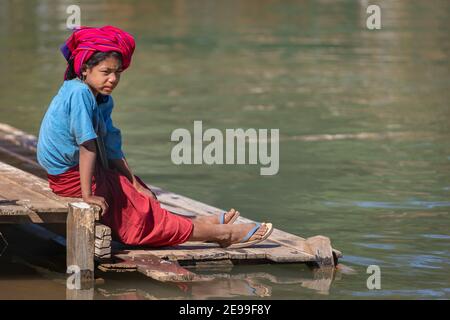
column 88, row 155
column 122, row 166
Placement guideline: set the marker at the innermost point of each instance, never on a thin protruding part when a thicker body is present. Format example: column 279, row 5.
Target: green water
column 380, row 190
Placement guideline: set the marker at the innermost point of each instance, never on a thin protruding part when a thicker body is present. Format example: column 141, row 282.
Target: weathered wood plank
column 11, row 207
column 13, row 191
column 115, row 266
column 244, row 254
column 156, row 268
column 33, row 184
column 279, row 237
column 102, row 231
column 177, row 210
column 321, row 247
column 102, row 241
column 11, row 211
column 102, row 253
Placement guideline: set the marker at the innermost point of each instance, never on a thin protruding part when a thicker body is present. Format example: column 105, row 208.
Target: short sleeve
column 113, row 137
column 81, row 116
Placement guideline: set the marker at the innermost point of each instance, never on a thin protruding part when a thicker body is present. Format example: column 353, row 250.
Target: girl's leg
column 224, row 234
column 215, row 219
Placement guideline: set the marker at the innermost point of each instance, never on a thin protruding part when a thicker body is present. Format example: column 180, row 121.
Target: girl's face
column 103, row 77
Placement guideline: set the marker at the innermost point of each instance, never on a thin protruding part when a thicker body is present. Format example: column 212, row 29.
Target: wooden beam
column 321, row 248
column 80, row 243
column 158, row 269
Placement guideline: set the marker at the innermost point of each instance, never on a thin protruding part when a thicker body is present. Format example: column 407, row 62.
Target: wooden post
column 320, row 246
column 80, row 245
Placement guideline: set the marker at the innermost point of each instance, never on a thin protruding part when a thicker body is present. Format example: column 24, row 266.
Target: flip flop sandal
column 244, row 243
column 232, row 220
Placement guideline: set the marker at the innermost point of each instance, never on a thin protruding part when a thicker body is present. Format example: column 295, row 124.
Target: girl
column 77, row 124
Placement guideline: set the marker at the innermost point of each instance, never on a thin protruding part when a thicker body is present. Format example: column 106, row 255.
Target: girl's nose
column 113, row 78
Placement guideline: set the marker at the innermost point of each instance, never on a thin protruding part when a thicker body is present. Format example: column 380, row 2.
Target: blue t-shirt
column 74, row 117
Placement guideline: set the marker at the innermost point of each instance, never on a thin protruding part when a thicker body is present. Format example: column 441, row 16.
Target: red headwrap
column 85, row 41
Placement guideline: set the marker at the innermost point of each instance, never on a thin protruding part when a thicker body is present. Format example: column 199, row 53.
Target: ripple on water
column 361, row 261
column 432, row 293
column 436, row 236
column 423, row 261
column 381, row 246
column 390, row 205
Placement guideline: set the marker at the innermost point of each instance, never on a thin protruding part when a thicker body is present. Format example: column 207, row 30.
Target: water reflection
column 225, row 285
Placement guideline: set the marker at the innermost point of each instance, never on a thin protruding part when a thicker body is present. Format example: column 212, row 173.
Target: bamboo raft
column 26, row 198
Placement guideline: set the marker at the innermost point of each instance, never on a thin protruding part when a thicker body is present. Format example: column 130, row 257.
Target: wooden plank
column 117, row 266
column 12, row 208
column 321, row 247
column 200, row 251
column 12, row 212
column 272, row 252
column 158, row 269
column 102, row 241
column 102, row 253
column 32, row 183
column 282, row 238
column 177, row 210
column 102, row 231
column 33, row 217
column 13, row 191
column 246, row 254
column 190, row 205
column 80, row 242
column 172, row 255
column 283, row 254
column 35, row 195
column 190, row 251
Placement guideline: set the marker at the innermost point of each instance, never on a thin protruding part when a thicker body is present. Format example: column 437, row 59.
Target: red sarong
column 134, row 218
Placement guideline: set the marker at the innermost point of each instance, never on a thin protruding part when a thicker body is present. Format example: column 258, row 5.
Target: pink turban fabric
column 85, row 41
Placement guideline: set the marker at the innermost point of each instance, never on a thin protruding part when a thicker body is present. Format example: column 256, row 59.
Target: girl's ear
column 84, row 70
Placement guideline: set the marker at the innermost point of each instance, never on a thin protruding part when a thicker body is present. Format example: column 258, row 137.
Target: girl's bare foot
column 239, row 231
column 216, row 219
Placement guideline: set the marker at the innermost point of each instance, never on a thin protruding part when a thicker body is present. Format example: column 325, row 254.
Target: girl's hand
column 100, row 201
column 145, row 191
